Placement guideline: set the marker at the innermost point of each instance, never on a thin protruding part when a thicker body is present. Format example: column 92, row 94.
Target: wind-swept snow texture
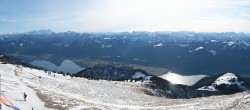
column 65, row 93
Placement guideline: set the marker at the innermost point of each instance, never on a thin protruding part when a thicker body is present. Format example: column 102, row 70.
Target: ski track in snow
column 80, row 93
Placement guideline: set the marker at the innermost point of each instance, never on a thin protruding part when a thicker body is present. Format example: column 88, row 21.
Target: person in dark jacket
column 24, row 96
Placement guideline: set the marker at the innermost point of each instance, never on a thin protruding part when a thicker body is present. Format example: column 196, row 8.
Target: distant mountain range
column 181, row 52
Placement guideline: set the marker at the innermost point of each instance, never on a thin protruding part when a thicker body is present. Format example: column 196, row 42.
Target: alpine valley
column 186, row 53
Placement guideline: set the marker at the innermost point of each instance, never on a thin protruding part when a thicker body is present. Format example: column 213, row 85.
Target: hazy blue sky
column 125, row 15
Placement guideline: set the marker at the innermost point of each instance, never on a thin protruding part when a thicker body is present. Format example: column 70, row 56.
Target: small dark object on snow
column 24, row 96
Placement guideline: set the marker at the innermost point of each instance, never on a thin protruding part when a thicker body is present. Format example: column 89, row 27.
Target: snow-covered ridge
column 230, row 43
column 199, row 48
column 213, row 52
column 66, row 92
column 138, row 75
column 107, row 46
column 73, row 93
column 158, row 45
column 229, row 79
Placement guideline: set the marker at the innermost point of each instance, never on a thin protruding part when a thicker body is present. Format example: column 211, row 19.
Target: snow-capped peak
column 199, row 48
column 246, row 43
column 227, row 78
column 213, row 52
column 158, row 45
column 138, row 74
column 43, row 31
column 241, row 44
column 230, row 43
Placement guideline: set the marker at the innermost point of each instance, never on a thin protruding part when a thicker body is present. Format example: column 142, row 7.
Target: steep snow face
column 179, row 79
column 230, row 43
column 246, row 43
column 213, row 41
column 241, row 44
column 107, row 46
column 208, row 88
column 229, row 79
column 199, row 48
column 213, row 52
column 158, row 45
column 21, row 44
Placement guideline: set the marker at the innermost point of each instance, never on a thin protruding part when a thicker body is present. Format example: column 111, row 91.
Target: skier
column 24, row 96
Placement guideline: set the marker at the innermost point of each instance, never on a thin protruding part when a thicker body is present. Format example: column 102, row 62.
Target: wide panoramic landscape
column 124, row 54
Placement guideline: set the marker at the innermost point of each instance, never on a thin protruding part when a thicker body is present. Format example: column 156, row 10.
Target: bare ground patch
column 49, row 103
column 145, row 91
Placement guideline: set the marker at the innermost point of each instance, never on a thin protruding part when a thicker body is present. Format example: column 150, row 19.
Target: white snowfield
column 225, row 79
column 65, row 93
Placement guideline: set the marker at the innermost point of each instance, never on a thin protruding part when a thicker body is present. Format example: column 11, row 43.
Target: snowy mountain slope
column 156, row 86
column 229, row 79
column 12, row 87
column 227, row 83
column 63, row 92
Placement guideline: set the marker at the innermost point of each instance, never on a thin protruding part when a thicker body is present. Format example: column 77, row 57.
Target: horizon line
column 123, row 31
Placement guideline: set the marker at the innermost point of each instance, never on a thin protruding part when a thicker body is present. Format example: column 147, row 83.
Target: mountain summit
column 227, row 83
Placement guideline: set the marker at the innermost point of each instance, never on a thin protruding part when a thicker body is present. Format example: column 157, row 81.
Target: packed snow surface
column 48, row 92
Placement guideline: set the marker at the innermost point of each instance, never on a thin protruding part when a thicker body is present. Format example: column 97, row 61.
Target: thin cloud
column 127, row 15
